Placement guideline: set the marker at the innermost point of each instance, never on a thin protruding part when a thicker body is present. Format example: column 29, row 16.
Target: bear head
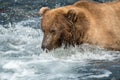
column 58, row 26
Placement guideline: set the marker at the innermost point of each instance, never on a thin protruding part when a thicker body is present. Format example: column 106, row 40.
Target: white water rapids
column 21, row 57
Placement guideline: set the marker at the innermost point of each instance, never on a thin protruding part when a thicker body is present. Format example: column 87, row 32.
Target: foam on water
column 22, row 58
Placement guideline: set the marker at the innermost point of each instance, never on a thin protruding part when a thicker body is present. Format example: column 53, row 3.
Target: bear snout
column 43, row 47
column 46, row 46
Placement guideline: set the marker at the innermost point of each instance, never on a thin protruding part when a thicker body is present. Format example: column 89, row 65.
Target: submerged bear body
column 83, row 22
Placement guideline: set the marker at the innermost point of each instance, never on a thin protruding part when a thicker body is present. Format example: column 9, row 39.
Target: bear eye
column 52, row 31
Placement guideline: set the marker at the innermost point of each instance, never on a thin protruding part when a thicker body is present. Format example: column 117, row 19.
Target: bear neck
column 80, row 31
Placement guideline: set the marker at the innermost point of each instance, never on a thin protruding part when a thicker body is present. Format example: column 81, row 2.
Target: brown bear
column 83, row 22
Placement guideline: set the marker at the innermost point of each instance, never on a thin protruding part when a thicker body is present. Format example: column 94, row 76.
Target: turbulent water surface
column 21, row 56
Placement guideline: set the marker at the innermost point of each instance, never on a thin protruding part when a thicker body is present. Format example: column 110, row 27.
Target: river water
column 21, row 56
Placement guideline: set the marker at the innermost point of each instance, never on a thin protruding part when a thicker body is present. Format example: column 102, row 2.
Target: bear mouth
column 57, row 44
column 53, row 46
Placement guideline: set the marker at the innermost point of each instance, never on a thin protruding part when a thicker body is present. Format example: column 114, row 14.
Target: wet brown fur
column 83, row 22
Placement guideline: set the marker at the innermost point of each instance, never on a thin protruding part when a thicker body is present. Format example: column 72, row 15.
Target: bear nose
column 43, row 47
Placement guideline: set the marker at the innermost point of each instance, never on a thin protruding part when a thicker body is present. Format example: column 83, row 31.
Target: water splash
column 22, row 58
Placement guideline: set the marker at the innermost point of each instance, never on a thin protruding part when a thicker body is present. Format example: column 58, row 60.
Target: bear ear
column 43, row 10
column 71, row 15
